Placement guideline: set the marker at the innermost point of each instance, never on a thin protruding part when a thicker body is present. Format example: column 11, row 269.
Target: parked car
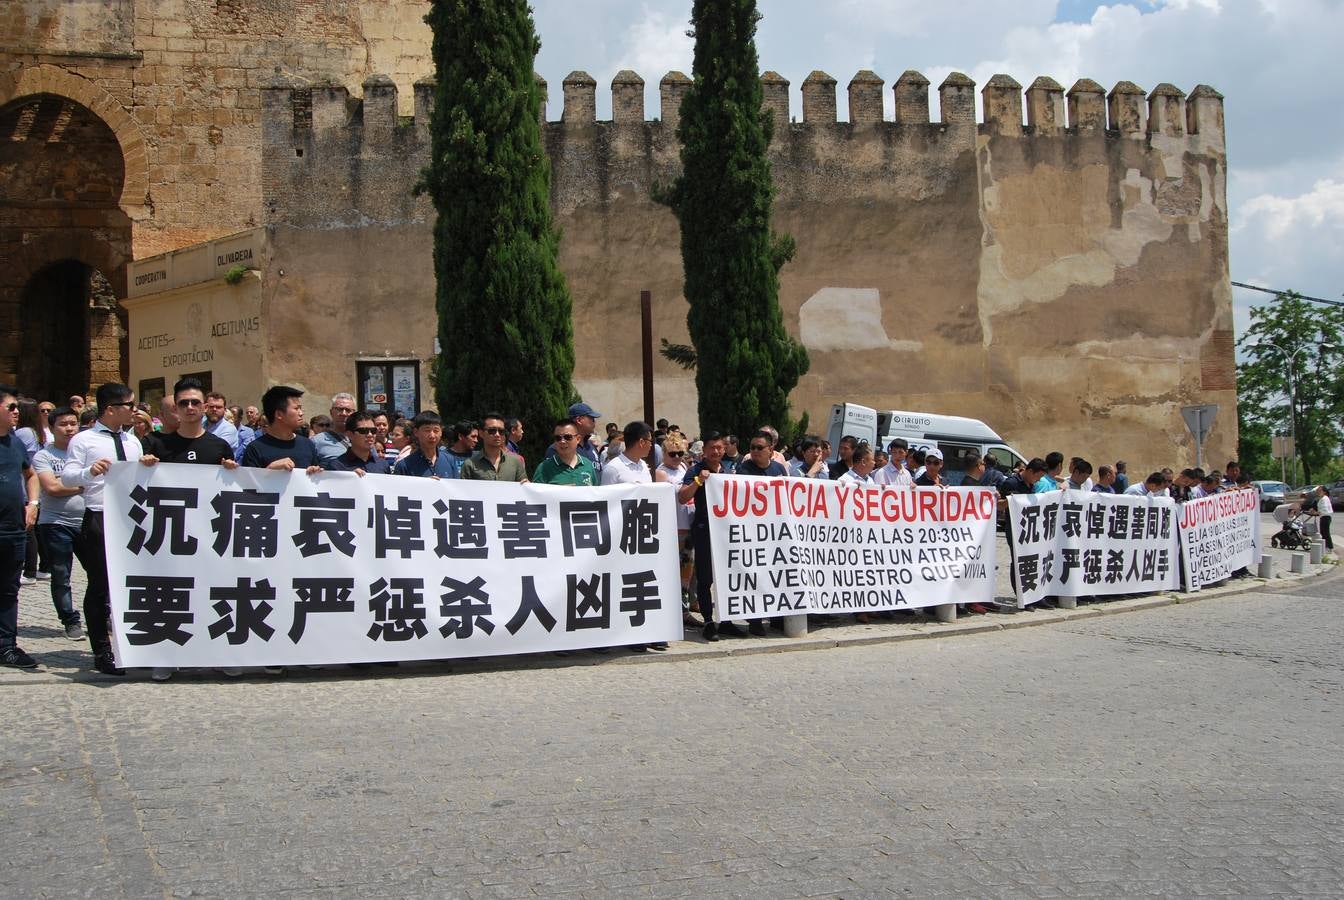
column 1271, row 494
column 1336, row 491
column 1297, row 494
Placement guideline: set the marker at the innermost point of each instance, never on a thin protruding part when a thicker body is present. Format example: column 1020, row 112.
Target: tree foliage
column 504, row 311
column 1291, row 377
column 745, row 361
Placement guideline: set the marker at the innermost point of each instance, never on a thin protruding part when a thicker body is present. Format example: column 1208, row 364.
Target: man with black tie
column 89, row 456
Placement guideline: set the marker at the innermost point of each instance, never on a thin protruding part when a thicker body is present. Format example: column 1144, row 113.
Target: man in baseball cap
column 585, row 419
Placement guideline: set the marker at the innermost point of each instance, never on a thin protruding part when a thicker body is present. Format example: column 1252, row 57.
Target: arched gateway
column 72, row 177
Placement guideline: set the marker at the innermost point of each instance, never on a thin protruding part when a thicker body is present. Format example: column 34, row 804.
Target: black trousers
column 704, row 573
column 1325, row 532
column 93, row 556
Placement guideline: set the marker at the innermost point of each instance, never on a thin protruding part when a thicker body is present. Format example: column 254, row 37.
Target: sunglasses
column 364, row 430
column 11, row 406
column 493, row 430
column 126, row 403
column 343, row 412
column 186, row 402
column 565, row 437
column 755, row 447
column 676, row 453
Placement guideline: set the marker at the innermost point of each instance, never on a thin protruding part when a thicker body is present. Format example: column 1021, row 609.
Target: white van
column 956, row 436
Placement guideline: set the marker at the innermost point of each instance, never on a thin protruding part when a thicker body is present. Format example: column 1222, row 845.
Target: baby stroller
column 1297, row 528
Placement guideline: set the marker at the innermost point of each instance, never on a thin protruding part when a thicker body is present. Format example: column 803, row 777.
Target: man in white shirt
column 89, row 456
column 1155, row 485
column 860, row 466
column 895, row 471
column 630, row 468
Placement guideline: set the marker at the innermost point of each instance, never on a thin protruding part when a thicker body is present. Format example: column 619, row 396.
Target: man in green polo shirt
column 492, row 462
column 566, row 466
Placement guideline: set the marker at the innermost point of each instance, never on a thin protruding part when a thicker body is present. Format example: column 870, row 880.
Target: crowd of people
column 53, row 459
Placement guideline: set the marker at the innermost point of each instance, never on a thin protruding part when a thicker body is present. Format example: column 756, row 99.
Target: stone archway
column 45, row 79
column 63, row 179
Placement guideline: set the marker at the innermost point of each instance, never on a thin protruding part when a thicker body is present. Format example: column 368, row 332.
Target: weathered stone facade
column 1066, row 280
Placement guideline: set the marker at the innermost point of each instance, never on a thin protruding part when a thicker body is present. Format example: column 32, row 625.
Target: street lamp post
column 1292, row 391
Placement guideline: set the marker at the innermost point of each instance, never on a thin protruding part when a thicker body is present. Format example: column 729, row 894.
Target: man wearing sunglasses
column 333, row 442
column 362, row 458
column 493, row 462
column 190, row 442
column 18, row 514
column 89, row 456
column 565, row 465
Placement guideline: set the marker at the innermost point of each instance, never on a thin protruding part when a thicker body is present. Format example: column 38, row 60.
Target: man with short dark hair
column 810, row 463
column 630, row 468
column 189, row 442
column 861, row 465
column 760, row 457
column 466, row 435
column 1105, row 480
column 60, row 517
column 18, row 514
column 1121, row 477
column 333, row 442
column 1155, row 485
column 428, row 459
column 693, row 489
column 281, row 448
column 1230, row 473
column 566, row 466
column 216, row 405
column 975, row 471
column 1080, row 475
column 895, row 472
column 1054, row 468
column 89, row 456
column 844, row 451
column 493, row 462
column 362, row 457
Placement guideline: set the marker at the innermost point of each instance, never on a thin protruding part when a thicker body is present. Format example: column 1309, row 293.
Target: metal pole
column 646, row 338
column 1199, row 438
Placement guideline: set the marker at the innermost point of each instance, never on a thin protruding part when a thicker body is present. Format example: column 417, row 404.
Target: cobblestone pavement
column 1182, row 751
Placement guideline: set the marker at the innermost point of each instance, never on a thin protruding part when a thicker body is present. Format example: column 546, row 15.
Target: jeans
column 93, row 556
column 11, row 567
column 58, row 545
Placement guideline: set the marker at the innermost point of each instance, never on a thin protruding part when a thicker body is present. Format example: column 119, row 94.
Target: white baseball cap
column 933, row 453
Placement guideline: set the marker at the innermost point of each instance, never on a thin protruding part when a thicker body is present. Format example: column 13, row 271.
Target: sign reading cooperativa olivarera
column 785, row 546
column 250, row 567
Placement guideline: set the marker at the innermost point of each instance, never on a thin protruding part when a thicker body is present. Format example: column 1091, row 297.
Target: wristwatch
column 34, row 503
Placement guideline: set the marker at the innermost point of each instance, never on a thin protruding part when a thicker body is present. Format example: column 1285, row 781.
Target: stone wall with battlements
column 1057, row 266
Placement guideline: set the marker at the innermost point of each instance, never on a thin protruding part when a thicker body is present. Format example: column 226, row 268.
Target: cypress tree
column 746, row 363
column 504, row 311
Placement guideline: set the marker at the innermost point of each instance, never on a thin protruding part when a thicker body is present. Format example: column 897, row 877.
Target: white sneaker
column 162, row 673
column 24, row 579
column 44, row 576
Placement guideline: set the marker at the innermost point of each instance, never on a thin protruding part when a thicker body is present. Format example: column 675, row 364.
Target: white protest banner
column 1219, row 535
column 1088, row 544
column 784, row 546
column 210, row 567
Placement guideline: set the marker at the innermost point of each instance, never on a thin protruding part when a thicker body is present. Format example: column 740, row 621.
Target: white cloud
column 656, row 44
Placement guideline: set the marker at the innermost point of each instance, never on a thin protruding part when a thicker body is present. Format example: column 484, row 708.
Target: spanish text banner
column 785, row 546
column 210, row 567
column 1219, row 535
column 1090, row 544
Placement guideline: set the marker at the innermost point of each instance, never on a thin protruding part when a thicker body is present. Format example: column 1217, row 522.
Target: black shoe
column 74, row 631
column 729, row 629
column 15, row 658
column 638, row 648
column 658, row 645
column 107, row 664
column 757, row 628
column 710, row 632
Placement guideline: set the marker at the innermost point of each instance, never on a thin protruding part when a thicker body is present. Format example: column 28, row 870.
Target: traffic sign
column 1199, row 419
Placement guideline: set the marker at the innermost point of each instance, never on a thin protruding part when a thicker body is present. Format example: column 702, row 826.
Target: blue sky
column 1278, row 62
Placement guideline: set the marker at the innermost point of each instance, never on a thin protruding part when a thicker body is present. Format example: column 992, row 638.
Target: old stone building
column 1065, row 279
